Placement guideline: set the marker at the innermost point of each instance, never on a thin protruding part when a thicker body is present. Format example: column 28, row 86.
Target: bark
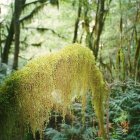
column 99, row 24
column 8, row 43
column 17, row 32
column 77, row 23
column 0, row 42
column 89, row 35
column 137, row 51
column 136, row 61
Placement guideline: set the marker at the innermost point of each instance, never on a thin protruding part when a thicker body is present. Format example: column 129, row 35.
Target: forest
column 69, row 69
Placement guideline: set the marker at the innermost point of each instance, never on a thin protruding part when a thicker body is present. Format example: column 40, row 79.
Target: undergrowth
column 124, row 111
column 124, row 119
column 78, row 127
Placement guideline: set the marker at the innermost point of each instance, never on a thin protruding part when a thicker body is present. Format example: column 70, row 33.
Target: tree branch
column 46, row 29
column 33, row 12
column 30, row 3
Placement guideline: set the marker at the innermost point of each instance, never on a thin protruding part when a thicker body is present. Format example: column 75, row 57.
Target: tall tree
column 77, row 22
column 10, row 36
column 17, row 31
column 137, row 40
column 87, row 8
column 99, row 24
column 8, row 42
column 0, row 38
column 14, row 28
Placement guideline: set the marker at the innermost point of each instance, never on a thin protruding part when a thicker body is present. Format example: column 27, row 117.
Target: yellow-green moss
column 51, row 82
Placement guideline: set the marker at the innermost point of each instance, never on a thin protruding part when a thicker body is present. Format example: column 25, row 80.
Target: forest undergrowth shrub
column 51, row 83
column 82, row 127
column 124, row 119
column 125, row 111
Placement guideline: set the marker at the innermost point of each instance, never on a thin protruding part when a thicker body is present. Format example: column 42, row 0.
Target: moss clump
column 51, row 82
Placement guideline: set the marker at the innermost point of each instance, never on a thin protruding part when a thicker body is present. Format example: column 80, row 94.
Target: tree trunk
column 0, row 42
column 17, row 32
column 8, row 43
column 89, row 35
column 136, row 61
column 99, row 24
column 9, row 38
column 77, row 22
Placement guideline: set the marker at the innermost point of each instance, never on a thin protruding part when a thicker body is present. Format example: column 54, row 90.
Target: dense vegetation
column 110, row 28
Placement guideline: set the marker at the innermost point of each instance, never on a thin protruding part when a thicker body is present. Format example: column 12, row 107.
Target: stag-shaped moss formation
column 52, row 82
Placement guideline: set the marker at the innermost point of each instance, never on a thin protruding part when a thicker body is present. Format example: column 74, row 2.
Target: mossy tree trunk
column 93, row 37
column 137, row 50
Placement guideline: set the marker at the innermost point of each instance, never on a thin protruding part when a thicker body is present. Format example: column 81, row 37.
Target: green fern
column 125, row 107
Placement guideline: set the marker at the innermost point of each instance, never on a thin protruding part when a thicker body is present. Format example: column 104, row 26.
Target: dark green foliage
column 125, row 111
column 124, row 117
column 55, row 3
column 81, row 127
